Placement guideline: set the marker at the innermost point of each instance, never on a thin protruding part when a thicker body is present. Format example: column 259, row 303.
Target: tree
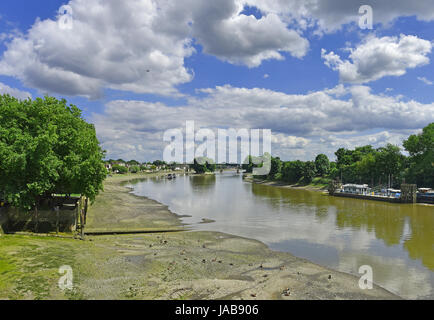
column 248, row 164
column 119, row 169
column 309, row 171
column 202, row 165
column 276, row 168
column 292, row 171
column 210, row 166
column 46, row 147
column 133, row 163
column 389, row 161
column 134, row 169
column 421, row 162
column 159, row 163
column 322, row 164
column 367, row 168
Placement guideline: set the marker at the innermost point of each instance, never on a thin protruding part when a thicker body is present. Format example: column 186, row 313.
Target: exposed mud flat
column 175, row 265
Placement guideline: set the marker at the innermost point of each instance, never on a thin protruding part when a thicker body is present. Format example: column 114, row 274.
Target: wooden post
column 56, row 208
column 36, row 218
column 82, row 224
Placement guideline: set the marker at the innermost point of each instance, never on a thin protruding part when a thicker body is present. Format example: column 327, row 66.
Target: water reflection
column 396, row 240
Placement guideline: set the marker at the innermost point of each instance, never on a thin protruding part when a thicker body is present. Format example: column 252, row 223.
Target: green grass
column 320, row 182
column 29, row 266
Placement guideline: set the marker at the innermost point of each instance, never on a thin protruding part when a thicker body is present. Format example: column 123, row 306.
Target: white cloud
column 331, row 15
column 141, row 45
column 302, row 125
column 22, row 95
column 425, row 80
column 376, row 58
column 111, row 45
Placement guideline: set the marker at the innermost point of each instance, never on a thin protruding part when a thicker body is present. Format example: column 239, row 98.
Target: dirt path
column 176, row 265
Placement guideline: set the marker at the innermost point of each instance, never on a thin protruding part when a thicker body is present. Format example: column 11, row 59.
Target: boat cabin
column 356, row 189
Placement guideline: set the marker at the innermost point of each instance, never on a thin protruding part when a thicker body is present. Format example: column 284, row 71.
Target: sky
column 306, row 70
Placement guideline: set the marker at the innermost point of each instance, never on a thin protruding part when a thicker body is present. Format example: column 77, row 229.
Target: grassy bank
column 176, row 265
column 317, row 184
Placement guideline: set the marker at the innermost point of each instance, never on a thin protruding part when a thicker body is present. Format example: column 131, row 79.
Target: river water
column 396, row 240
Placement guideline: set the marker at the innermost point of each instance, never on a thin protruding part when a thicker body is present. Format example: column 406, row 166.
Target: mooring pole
column 36, row 218
column 56, row 208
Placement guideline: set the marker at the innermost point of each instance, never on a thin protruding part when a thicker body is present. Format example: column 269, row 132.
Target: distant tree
column 119, row 169
column 210, row 166
column 322, row 165
column 389, row 161
column 47, row 147
column 199, row 168
column 292, row 171
column 133, row 163
column 248, row 165
column 309, row 171
column 276, row 168
column 203, row 164
column 421, row 161
column 134, row 169
column 159, row 163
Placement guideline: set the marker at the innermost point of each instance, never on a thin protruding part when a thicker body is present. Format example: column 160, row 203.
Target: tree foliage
column 47, row 147
column 421, row 160
column 203, row 164
column 365, row 164
column 322, row 165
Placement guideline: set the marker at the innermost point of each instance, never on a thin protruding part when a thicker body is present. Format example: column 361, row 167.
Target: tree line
column 374, row 166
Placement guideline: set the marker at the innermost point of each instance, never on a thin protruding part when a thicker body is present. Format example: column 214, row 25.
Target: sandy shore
column 162, row 265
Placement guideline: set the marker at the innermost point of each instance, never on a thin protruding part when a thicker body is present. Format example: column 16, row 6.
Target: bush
column 119, row 169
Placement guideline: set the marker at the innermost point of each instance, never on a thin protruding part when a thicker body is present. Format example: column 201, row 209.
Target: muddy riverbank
column 161, row 265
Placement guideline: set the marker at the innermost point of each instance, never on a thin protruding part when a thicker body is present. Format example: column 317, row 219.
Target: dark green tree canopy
column 322, row 164
column 421, row 161
column 47, row 147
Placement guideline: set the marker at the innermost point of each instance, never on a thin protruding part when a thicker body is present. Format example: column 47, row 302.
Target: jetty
column 409, row 193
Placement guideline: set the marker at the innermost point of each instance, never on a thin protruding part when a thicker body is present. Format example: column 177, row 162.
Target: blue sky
column 308, row 73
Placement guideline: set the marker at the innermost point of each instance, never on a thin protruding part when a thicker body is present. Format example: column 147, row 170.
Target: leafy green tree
column 248, row 165
column 202, row 165
column 210, row 166
column 389, row 161
column 322, row 165
column 159, row 163
column 292, row 171
column 46, row 147
column 119, row 169
column 367, row 169
column 133, row 163
column 309, row 171
column 421, row 162
column 276, row 167
column 134, row 169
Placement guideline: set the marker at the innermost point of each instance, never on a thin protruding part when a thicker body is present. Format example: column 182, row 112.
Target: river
column 396, row 240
